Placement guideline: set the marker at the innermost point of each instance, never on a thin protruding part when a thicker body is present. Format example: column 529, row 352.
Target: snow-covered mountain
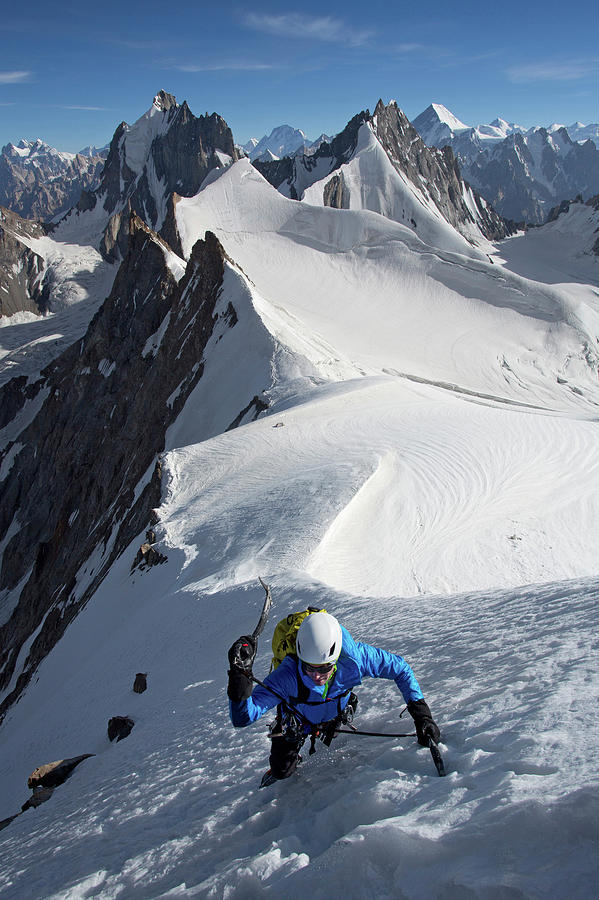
column 282, row 141
column 438, row 126
column 91, row 150
column 38, row 181
column 379, row 162
column 521, row 173
column 395, row 422
column 166, row 153
column 579, row 132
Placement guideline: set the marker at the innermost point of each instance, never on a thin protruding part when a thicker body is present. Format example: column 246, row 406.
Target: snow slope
column 428, row 471
column 78, row 281
column 388, row 302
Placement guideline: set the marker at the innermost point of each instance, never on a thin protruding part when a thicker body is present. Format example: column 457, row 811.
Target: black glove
column 425, row 724
column 242, row 653
column 241, row 656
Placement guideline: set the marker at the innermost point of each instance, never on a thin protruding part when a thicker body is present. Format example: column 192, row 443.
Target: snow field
column 419, row 463
column 380, row 487
column 380, row 298
column 175, row 810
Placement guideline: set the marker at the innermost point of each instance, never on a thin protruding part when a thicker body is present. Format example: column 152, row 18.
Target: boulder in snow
column 119, row 727
column 39, row 796
column 54, row 773
column 141, row 682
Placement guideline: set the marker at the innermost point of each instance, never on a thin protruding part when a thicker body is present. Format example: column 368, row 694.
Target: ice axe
column 243, row 651
column 436, row 755
column 265, row 611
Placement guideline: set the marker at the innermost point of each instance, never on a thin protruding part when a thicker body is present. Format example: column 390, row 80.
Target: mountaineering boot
column 267, row 779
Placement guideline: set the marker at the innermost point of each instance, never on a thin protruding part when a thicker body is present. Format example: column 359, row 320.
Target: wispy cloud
column 14, row 77
column 554, row 71
column 85, row 108
column 410, row 48
column 294, row 26
column 235, row 66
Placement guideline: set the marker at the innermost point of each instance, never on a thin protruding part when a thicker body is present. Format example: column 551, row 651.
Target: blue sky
column 70, row 74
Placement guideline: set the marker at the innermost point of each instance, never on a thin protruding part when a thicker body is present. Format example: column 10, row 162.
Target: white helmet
column 319, row 639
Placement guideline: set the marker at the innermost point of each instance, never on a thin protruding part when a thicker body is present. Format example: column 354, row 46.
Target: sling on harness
column 288, row 723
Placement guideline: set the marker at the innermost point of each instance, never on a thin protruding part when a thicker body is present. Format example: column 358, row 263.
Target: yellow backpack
column 285, row 634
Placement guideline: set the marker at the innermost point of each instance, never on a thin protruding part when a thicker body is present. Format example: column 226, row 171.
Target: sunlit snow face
column 319, row 674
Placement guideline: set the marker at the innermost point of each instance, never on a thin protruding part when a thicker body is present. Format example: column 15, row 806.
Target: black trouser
column 288, row 740
column 284, row 755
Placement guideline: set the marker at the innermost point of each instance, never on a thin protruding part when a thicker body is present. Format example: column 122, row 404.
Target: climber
column 313, row 689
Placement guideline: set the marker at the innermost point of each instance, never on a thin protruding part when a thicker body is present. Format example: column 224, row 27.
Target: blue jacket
column 356, row 661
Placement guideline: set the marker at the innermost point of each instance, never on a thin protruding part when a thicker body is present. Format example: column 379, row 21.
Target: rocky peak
column 164, row 101
column 292, row 169
column 435, row 175
column 166, row 151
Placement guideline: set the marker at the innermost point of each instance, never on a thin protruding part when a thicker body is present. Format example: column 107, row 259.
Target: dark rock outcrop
column 21, row 269
column 119, row 727
column 15, row 394
column 334, row 194
column 255, row 407
column 4, row 823
column 87, row 478
column 147, row 555
column 52, row 774
column 141, row 682
column 113, row 245
column 563, row 207
column 40, row 795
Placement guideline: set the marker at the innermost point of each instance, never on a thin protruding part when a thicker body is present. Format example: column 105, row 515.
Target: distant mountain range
column 437, row 125
column 40, row 182
column 522, row 172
